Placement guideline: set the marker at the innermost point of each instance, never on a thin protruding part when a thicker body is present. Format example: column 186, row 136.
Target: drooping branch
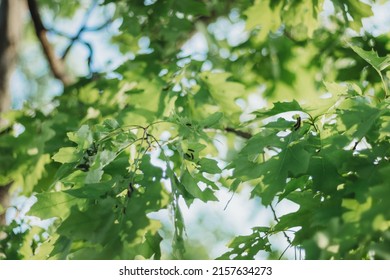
column 77, row 38
column 56, row 64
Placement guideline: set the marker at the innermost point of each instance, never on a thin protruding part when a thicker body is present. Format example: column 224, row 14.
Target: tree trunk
column 11, row 21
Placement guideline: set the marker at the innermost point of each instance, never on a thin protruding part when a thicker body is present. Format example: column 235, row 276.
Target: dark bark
column 10, row 32
column 243, row 134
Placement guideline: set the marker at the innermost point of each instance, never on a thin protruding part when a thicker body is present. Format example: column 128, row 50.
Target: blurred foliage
column 321, row 143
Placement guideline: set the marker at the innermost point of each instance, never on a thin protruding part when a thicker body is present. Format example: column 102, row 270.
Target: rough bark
column 10, row 31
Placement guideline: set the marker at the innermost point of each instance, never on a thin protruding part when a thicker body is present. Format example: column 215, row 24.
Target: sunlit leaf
column 67, row 155
column 379, row 63
column 52, row 205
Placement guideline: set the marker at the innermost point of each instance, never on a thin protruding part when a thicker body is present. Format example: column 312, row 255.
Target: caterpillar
column 190, row 153
column 297, row 125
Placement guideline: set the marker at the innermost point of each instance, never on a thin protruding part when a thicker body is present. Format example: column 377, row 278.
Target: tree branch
column 99, row 27
column 81, row 30
column 284, row 233
column 57, row 65
column 240, row 133
column 90, row 56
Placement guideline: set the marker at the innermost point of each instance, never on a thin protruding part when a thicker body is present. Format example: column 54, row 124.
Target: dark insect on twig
column 87, row 157
column 355, row 145
column 83, row 167
column 188, row 124
column 297, row 125
column 190, row 154
column 92, row 150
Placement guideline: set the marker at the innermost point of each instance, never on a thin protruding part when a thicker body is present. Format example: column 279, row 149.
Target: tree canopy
column 289, row 99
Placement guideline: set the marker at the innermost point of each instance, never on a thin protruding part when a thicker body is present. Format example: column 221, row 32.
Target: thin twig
column 285, row 250
column 90, row 56
column 81, row 30
column 277, row 220
column 99, row 27
column 227, row 204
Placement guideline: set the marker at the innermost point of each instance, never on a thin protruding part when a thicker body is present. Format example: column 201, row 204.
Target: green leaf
column 323, row 169
column 211, row 120
column 105, row 158
column 209, row 166
column 247, row 247
column 336, row 88
column 270, row 19
column 292, row 161
column 307, row 21
column 52, row 204
column 278, row 108
column 294, row 184
column 357, row 10
column 36, row 172
column 151, row 246
column 91, row 191
column 61, row 247
column 256, row 144
column 379, row 63
column 94, row 176
column 83, row 137
column 355, row 208
column 223, row 91
column 92, row 225
column 360, row 118
column 66, row 155
column 111, row 124
column 190, row 184
column 179, row 187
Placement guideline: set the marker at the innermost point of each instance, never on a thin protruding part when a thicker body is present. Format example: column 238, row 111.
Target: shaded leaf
column 278, row 108
column 190, row 184
column 209, row 166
